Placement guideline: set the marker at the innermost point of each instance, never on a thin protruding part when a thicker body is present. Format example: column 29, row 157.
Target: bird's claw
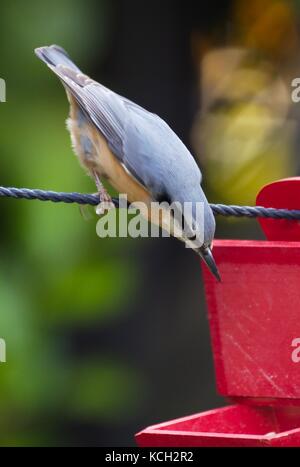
column 104, row 206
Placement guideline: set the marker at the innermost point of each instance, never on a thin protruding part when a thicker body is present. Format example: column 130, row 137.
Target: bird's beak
column 208, row 258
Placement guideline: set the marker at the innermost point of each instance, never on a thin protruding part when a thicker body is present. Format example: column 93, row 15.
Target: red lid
column 281, row 194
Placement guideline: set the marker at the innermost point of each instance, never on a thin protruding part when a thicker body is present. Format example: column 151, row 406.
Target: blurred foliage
column 245, row 134
column 55, row 273
column 106, row 390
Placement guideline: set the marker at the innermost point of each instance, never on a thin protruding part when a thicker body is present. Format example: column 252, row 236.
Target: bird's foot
column 104, row 206
column 106, row 203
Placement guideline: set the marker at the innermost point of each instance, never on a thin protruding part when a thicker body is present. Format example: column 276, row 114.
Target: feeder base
column 232, row 426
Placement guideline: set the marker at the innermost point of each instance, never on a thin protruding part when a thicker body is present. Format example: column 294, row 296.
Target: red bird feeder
column 254, row 317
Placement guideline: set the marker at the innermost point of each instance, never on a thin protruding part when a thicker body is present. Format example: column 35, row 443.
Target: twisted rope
column 92, row 199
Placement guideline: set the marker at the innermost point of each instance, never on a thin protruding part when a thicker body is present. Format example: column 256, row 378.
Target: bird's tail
column 54, row 56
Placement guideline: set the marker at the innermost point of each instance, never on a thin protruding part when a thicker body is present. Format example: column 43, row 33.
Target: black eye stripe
column 163, row 198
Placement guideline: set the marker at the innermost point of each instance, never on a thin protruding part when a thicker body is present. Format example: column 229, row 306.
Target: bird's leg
column 105, row 200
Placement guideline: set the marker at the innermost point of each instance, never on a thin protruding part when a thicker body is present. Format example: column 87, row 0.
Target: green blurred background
column 105, row 337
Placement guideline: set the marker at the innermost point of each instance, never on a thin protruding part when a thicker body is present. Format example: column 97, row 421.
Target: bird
column 137, row 152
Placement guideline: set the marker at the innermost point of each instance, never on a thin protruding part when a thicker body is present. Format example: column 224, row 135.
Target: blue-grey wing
column 143, row 142
column 153, row 151
column 146, row 146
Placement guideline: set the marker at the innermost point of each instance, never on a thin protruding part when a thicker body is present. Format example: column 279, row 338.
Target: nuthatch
column 135, row 150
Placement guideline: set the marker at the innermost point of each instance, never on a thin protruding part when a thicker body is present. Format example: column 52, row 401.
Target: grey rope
column 255, row 211
column 93, row 199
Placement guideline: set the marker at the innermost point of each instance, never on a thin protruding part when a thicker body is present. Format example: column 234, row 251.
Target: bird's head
column 199, row 229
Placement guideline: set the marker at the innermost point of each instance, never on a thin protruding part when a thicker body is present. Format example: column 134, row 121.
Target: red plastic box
column 254, row 317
